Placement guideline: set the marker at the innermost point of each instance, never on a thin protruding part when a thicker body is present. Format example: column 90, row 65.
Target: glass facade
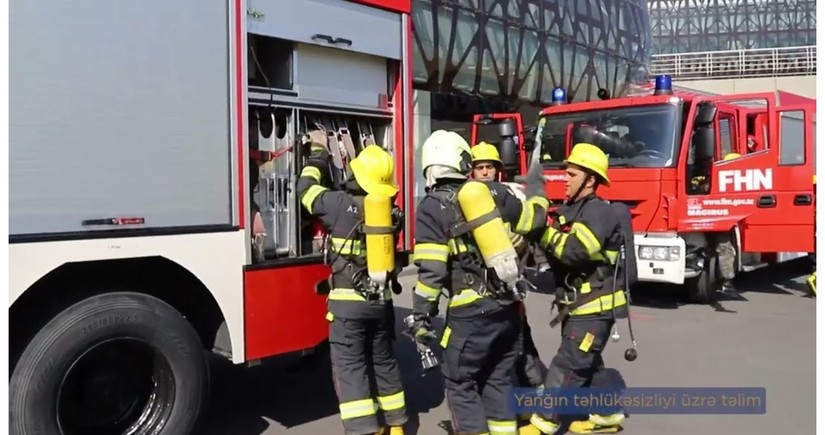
column 685, row 26
column 503, row 53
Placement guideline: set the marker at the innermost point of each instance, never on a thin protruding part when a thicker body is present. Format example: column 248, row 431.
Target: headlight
column 645, row 253
column 659, row 253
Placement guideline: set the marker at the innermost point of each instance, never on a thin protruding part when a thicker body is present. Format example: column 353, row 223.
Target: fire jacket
column 342, row 214
column 583, row 245
column 451, row 262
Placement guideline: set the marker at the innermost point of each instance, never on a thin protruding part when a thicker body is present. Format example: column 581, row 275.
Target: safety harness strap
column 465, row 227
column 366, row 229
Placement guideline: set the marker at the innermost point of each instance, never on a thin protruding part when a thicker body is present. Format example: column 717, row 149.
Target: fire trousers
column 530, row 370
column 365, row 371
column 479, row 353
column 578, row 362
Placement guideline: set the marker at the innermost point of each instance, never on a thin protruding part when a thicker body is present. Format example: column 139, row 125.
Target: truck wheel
column 114, row 363
column 701, row 288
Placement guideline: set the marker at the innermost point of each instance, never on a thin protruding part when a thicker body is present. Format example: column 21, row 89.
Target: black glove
column 397, row 217
column 535, row 182
column 423, row 331
column 318, row 156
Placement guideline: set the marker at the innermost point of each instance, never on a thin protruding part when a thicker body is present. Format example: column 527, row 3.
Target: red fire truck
column 174, row 130
column 695, row 169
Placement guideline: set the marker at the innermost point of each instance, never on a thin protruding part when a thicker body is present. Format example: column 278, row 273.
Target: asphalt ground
column 766, row 340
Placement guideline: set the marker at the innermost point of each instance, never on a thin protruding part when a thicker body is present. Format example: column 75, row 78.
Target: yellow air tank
column 380, row 243
column 492, row 238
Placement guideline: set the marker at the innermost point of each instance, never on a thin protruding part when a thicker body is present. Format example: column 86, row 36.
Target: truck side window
column 792, row 138
column 726, row 136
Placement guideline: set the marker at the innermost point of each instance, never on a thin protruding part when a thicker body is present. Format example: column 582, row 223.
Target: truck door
column 771, row 188
column 784, row 218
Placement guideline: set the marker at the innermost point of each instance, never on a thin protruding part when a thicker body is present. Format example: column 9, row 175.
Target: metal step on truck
column 168, row 225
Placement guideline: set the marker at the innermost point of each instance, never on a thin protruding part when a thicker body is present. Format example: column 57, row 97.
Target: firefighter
column 487, row 162
column 726, row 253
column 462, row 246
column 360, row 310
column 583, row 243
column 530, row 369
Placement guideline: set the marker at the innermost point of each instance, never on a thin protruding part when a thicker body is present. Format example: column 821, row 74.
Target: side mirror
column 506, row 128
column 705, row 113
column 703, row 143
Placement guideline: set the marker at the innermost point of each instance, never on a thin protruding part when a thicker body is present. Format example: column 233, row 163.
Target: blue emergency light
column 664, row 85
column 559, row 96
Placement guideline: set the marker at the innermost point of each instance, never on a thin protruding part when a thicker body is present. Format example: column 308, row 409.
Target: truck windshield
column 634, row 136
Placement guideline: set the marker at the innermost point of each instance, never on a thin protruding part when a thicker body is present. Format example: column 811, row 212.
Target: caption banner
column 640, row 401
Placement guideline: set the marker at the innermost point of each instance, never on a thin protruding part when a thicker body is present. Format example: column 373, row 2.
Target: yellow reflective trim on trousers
column 357, row 408
column 502, row 427
column 431, row 251
column 345, row 294
column 391, row 402
column 311, row 195
column 348, row 294
column 464, row 297
column 427, row 292
column 586, row 237
column 346, row 246
column 311, row 171
column 604, row 303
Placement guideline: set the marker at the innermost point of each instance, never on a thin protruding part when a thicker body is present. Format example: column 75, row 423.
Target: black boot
column 729, row 290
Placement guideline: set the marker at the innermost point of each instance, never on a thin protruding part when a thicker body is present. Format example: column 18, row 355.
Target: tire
column 701, row 288
column 108, row 359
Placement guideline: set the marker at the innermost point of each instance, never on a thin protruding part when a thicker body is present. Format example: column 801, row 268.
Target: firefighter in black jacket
column 530, row 370
column 583, row 246
column 360, row 300
column 462, row 245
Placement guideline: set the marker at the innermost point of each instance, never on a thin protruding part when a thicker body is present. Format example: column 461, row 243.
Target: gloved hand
column 423, row 331
column 397, row 217
column 318, row 156
column 552, row 217
column 535, row 182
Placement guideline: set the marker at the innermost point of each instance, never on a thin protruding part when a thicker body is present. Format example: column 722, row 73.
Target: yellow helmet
column 484, row 151
column 373, row 170
column 590, row 157
column 731, row 156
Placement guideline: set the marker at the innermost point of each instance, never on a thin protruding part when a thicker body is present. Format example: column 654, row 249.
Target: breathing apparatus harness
column 476, row 274
column 361, row 281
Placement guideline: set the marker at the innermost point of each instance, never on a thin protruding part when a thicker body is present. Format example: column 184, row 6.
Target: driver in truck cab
column 361, row 317
column 583, row 243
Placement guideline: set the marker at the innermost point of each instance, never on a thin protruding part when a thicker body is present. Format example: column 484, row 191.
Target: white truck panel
column 214, row 258
column 660, row 270
column 118, row 112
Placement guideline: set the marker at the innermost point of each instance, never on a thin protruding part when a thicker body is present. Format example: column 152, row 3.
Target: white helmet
column 449, row 149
